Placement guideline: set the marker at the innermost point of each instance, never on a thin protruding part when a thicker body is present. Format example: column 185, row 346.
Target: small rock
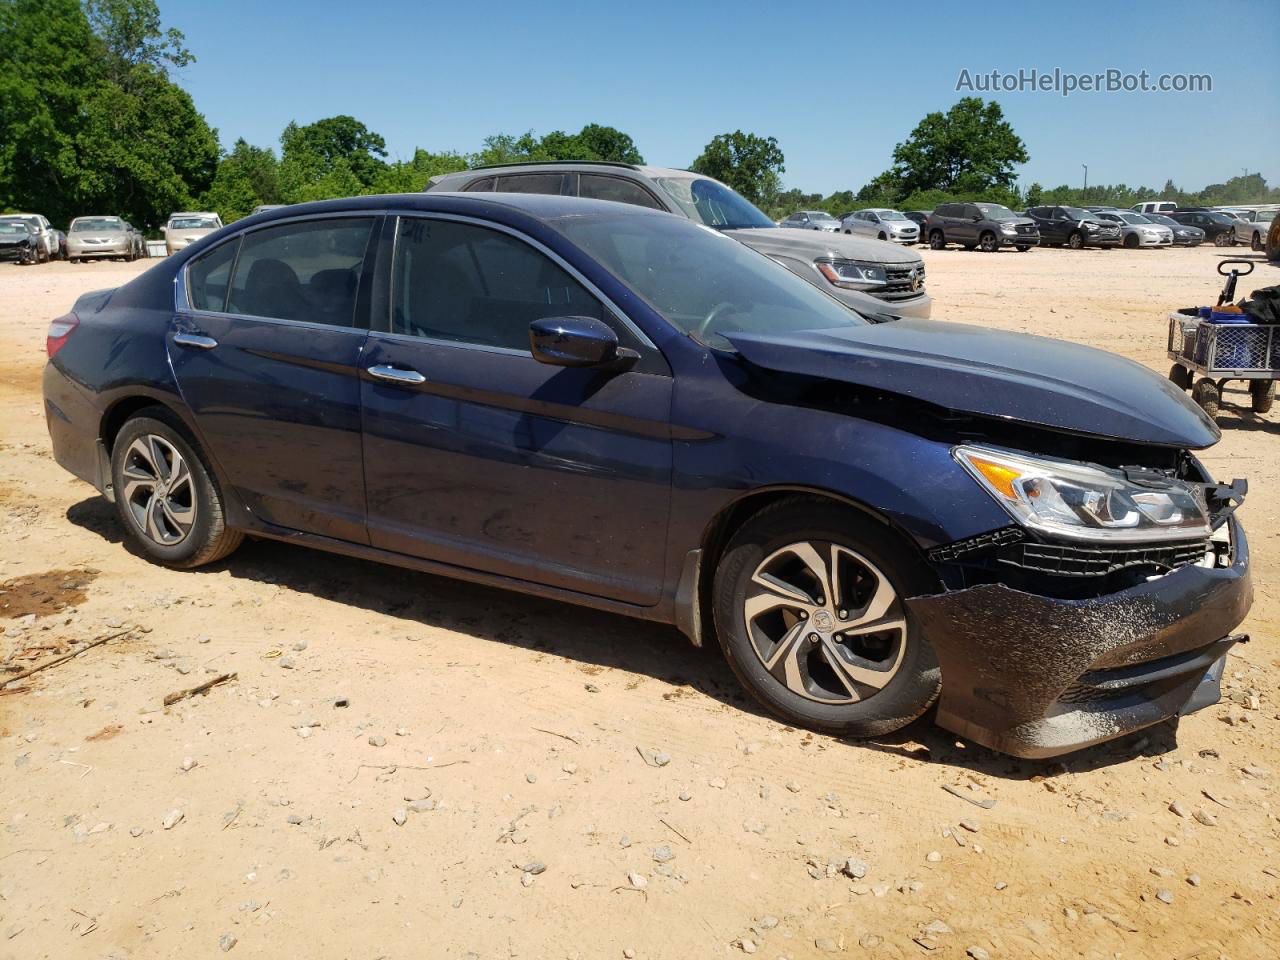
column 768, row 922
column 135, row 831
column 1194, row 879
column 341, row 702
column 1001, row 885
column 227, row 941
column 171, row 820
column 202, row 639
column 591, row 688
column 853, row 868
column 531, row 778
column 1258, row 773
column 1161, row 872
column 628, row 953
column 377, row 740
column 400, row 816
column 304, row 732
column 747, row 945
column 970, row 825
column 570, row 768
column 624, row 841
column 300, row 646
column 1206, row 819
column 638, row 880
column 535, row 867
column 287, row 663
column 793, row 786
column 933, row 856
column 1164, row 896
column 663, row 854
column 686, row 796
column 937, row 928
column 716, row 783
column 295, row 820
column 826, row 945
column 869, row 941
column 188, row 763
column 1178, row 810
column 526, row 879
column 754, row 826
column 421, row 806
column 977, row 953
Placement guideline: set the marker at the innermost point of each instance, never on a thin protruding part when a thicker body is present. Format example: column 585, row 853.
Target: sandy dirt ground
column 411, row 767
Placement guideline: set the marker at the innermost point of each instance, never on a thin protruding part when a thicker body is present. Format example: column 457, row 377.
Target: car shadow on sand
column 597, row 641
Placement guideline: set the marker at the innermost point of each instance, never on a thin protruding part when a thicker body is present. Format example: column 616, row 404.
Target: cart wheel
column 1205, row 393
column 1263, row 395
column 1180, row 376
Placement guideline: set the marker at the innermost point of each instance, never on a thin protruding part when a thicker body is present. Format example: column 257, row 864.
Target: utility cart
column 1223, row 351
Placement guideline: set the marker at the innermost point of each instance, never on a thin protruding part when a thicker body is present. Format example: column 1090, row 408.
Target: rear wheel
column 1180, row 376
column 1256, row 244
column 1076, row 241
column 166, row 497
column 809, row 611
column 1225, row 239
column 881, row 236
column 1262, row 394
column 1207, row 395
column 936, row 240
column 988, row 242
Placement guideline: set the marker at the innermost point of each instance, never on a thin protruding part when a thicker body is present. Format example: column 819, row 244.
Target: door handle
column 195, row 340
column 395, row 374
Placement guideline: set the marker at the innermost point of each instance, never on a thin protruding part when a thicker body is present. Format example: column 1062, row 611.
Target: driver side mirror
column 578, row 342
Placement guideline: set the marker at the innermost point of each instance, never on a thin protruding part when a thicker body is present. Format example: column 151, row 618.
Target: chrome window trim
column 546, row 251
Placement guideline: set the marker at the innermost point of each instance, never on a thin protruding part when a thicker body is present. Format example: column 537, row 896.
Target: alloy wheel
column 825, row 622
column 158, row 490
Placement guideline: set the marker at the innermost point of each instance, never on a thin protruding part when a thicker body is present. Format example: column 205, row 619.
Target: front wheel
column 936, row 240
column 1131, row 241
column 1225, row 239
column 809, row 610
column 166, row 497
column 988, row 242
column 1022, row 248
column 1076, row 241
column 1256, row 244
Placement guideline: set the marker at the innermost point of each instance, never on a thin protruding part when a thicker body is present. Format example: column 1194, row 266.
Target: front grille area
column 1090, row 561
column 901, row 285
column 1027, row 229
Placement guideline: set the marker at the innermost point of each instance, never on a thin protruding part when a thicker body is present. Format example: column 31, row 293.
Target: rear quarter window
column 208, row 277
column 551, row 183
column 600, row 187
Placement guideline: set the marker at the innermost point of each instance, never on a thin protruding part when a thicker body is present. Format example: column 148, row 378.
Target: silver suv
column 870, row 276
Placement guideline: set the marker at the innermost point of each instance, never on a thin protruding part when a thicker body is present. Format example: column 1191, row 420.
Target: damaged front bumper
column 1035, row 676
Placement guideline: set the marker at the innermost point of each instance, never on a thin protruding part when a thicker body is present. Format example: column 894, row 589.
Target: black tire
column 1262, row 394
column 208, row 539
column 936, row 240
column 1224, row 239
column 1255, row 243
column 988, row 242
column 1076, row 241
column 1180, row 376
column 1131, row 242
column 881, row 236
column 1022, row 248
column 915, row 681
column 1206, row 394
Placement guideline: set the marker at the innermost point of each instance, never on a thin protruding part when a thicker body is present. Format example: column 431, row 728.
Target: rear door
column 266, row 353
column 479, row 456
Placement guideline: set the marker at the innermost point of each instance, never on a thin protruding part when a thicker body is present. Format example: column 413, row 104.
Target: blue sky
column 838, row 84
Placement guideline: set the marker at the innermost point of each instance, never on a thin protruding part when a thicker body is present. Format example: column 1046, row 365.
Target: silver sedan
column 883, row 224
column 1137, row 230
column 812, row 220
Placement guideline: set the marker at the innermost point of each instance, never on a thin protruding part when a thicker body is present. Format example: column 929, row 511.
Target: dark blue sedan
column 616, row 407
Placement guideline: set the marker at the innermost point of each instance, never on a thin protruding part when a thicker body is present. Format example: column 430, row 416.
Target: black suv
column 987, row 226
column 1074, row 227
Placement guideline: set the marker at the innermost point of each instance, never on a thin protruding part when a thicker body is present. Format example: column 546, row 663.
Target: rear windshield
column 193, row 223
column 711, row 202
column 96, row 226
column 703, row 283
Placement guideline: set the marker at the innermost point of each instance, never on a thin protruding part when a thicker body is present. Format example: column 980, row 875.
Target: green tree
column 970, row 149
column 131, row 32
column 608, row 143
column 334, row 151
column 247, row 176
column 752, row 165
column 411, row 176
column 592, row 142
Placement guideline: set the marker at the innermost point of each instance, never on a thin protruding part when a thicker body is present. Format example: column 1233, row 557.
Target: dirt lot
column 510, row 732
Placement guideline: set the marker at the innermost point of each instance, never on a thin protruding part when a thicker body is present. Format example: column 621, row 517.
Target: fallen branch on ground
column 177, row 695
column 64, row 658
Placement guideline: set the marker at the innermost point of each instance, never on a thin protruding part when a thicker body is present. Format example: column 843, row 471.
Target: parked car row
column 30, row 238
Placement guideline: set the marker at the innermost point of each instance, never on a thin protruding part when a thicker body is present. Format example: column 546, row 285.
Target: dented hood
column 1012, row 376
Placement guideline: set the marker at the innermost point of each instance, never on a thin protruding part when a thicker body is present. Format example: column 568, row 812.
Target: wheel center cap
column 822, row 621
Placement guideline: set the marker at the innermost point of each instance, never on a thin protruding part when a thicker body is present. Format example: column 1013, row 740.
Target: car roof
column 192, row 213
column 98, row 216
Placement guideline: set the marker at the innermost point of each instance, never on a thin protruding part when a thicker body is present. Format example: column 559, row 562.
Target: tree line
column 91, row 121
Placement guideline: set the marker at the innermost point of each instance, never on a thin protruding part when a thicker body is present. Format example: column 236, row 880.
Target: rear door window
column 208, row 277
column 552, row 183
column 601, row 187
column 483, row 185
column 306, row 271
column 469, row 284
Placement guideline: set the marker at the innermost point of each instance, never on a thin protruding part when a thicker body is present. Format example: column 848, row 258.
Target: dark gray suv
column 987, row 226
column 871, row 276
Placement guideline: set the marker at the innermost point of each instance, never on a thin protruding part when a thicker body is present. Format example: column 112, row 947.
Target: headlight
column 1083, row 502
column 852, row 274
column 1008, row 228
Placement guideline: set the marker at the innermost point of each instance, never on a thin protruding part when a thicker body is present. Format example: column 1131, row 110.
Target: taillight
column 59, row 331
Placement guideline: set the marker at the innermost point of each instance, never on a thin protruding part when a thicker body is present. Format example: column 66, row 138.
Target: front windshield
column 29, row 221
column 711, row 202
column 1077, row 213
column 193, row 223
column 1161, row 218
column 702, row 283
column 994, row 211
column 819, row 215
column 1220, row 218
column 889, row 215
column 13, row 229
column 96, row 226
column 1135, row 218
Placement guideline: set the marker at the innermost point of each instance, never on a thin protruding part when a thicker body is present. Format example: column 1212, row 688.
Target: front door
column 266, row 356
column 479, row 456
